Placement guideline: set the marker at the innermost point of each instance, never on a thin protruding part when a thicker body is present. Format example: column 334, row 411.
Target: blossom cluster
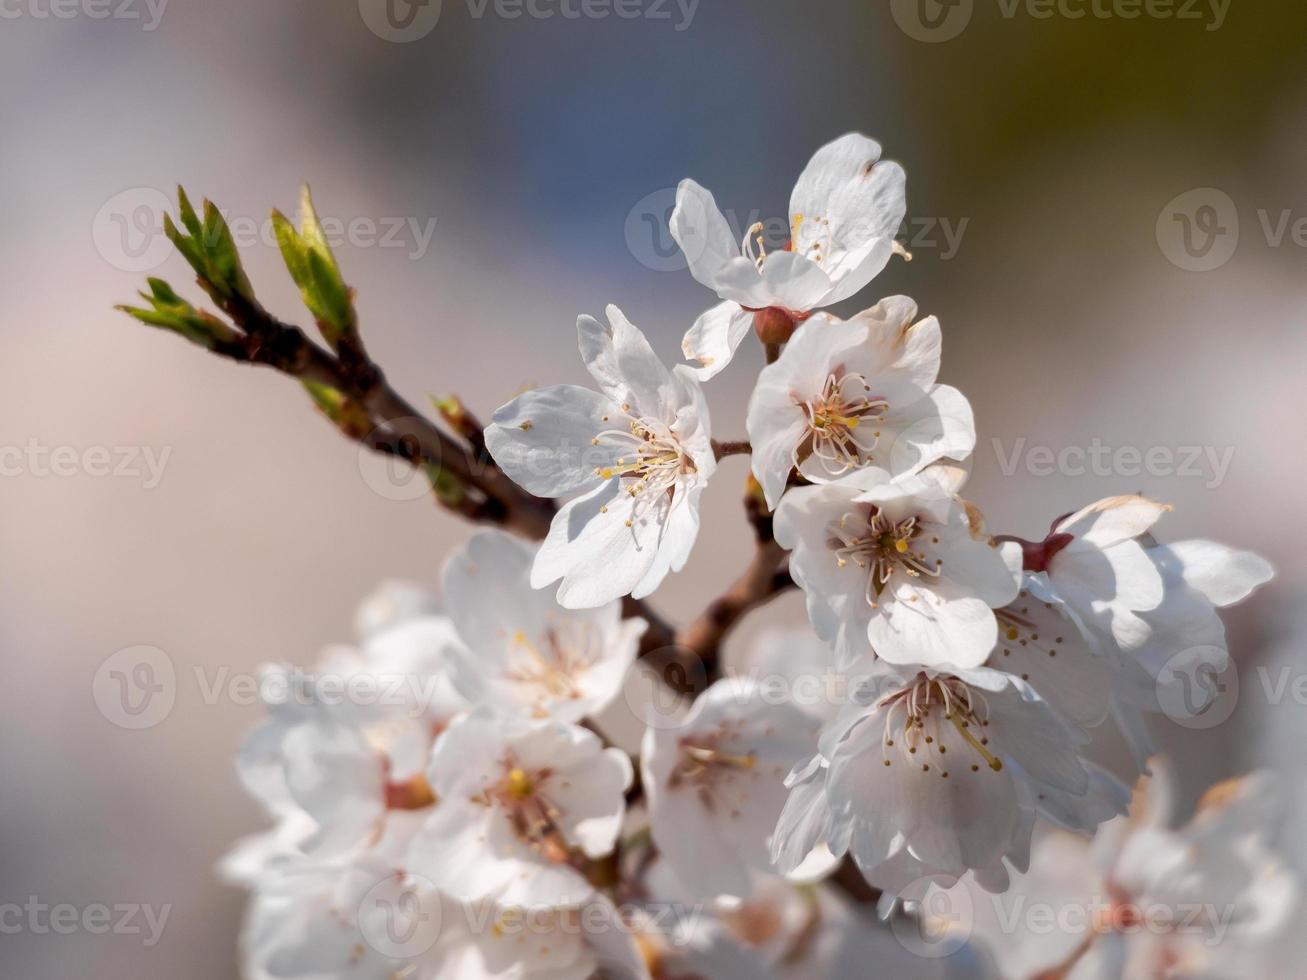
column 489, row 814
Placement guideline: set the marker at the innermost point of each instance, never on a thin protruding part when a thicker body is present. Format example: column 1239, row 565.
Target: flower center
column 929, row 703
column 652, row 459
column 842, row 423
column 881, row 546
column 709, row 767
column 555, row 666
column 533, row 818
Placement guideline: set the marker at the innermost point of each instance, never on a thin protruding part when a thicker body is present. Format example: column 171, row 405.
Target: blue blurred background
column 515, row 172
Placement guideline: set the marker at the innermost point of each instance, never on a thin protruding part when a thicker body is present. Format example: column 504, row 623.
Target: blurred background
column 1107, row 213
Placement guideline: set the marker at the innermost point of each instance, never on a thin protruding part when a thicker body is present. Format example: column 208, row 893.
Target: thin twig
column 737, row 447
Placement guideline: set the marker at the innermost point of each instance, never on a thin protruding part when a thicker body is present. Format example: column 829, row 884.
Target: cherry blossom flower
column 1143, row 900
column 1148, row 610
column 895, row 566
column 519, row 805
column 349, row 742
column 849, row 394
column 364, row 920
column 844, row 212
column 640, row 451
column 523, row 652
column 1097, row 567
column 715, row 783
column 931, row 775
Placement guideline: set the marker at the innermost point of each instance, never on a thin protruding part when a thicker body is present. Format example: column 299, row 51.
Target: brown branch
column 408, row 434
column 737, row 447
column 763, row 579
column 267, row 340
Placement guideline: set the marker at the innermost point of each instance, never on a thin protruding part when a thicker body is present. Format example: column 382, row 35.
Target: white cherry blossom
column 715, row 783
column 1144, row 900
column 349, row 741
column 639, row 451
column 895, row 566
column 849, row 394
column 367, row 921
column 1148, row 610
column 523, row 652
column 931, row 775
column 844, row 212
column 520, row 804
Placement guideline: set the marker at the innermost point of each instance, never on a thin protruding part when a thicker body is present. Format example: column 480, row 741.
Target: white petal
column 592, row 550
column 937, row 426
column 935, row 624
column 788, row 281
column 1224, row 575
column 626, row 368
column 715, row 336
column 846, row 208
column 675, row 539
column 703, row 233
column 1113, row 519
column 901, row 353
column 543, row 439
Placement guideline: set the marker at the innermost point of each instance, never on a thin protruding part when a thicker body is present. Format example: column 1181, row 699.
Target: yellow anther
column 519, row 784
